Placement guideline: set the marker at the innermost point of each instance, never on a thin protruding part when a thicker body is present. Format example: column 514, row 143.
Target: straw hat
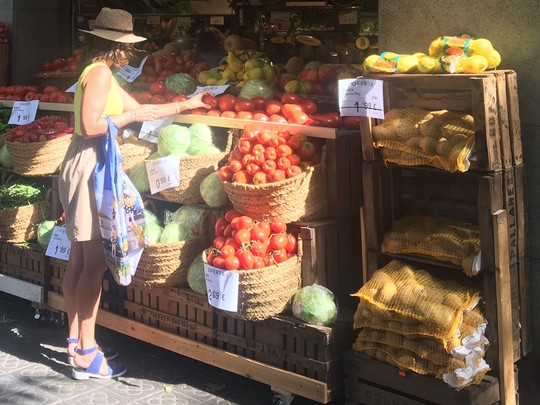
column 115, row 25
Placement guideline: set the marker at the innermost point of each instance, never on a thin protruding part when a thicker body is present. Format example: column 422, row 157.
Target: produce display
column 49, row 94
column 18, row 194
column 315, row 304
column 41, row 130
column 4, row 33
column 5, row 114
column 70, row 64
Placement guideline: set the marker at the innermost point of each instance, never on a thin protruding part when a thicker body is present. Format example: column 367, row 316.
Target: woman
column 97, row 95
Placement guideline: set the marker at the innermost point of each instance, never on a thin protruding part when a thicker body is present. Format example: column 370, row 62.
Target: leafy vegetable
column 315, row 304
column 257, row 88
column 212, row 191
column 44, row 233
column 173, row 140
column 153, row 232
column 200, row 138
column 5, row 158
column 190, row 216
column 150, row 217
column 181, row 83
column 18, row 195
column 195, row 276
column 173, row 232
column 139, row 177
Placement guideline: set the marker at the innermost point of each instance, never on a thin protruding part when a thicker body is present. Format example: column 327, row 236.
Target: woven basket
column 299, row 198
column 3, row 138
column 62, row 80
column 20, row 224
column 133, row 153
column 193, row 170
column 166, row 264
column 263, row 293
column 38, row 158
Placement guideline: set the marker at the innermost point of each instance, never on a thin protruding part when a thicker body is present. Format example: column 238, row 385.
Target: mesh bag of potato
column 414, row 137
column 442, row 238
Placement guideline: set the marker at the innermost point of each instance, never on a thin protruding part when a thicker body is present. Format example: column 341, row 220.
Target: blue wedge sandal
column 109, row 352
column 115, row 369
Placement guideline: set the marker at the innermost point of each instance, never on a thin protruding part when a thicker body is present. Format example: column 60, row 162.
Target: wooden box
column 176, row 310
column 58, row 268
column 24, row 262
column 490, row 97
column 285, row 342
column 372, row 382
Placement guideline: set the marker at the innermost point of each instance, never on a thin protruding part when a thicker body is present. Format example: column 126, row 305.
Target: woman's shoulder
column 97, row 69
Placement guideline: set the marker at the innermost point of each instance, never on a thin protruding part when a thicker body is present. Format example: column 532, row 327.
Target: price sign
column 23, row 112
column 348, row 18
column 150, row 129
column 222, row 288
column 216, row 90
column 279, row 17
column 59, row 246
column 130, row 73
column 217, row 20
column 361, row 97
column 72, row 89
column 163, row 173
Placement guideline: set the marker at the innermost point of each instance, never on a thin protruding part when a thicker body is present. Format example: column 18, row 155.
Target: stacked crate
column 494, row 184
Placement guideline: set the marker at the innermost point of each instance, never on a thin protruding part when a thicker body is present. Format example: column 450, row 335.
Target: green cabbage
column 190, row 216
column 212, row 191
column 257, row 88
column 153, row 232
column 154, row 156
column 207, row 150
column 195, row 277
column 5, row 158
column 200, row 137
column 315, row 304
column 173, row 233
column 139, row 177
column 150, row 217
column 173, row 140
column 181, row 83
column 44, row 233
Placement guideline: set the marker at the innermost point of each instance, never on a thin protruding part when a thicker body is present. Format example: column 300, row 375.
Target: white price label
column 150, row 129
column 163, row 173
column 59, row 246
column 217, row 20
column 216, row 90
column 279, row 17
column 130, row 73
column 361, row 97
column 222, row 288
column 347, row 18
column 23, row 112
column 72, row 89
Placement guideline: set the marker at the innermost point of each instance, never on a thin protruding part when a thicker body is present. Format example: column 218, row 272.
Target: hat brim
column 115, row 36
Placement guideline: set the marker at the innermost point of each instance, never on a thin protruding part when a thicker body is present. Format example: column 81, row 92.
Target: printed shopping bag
column 121, row 211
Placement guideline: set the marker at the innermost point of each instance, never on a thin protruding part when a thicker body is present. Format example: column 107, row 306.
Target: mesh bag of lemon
column 415, row 137
column 442, row 238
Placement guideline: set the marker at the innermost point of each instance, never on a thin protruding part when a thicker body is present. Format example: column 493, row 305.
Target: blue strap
column 94, row 367
column 85, row 351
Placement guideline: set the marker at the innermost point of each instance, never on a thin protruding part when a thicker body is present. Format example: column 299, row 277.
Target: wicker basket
column 263, row 293
column 193, row 170
column 166, row 264
column 20, row 224
column 38, row 158
column 133, row 153
column 299, row 198
column 62, row 80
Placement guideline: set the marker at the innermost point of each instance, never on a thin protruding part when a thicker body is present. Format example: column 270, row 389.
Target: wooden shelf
column 44, row 106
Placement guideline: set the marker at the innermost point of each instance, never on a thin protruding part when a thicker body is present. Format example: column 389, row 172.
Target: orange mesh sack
column 437, row 305
column 413, row 137
column 442, row 238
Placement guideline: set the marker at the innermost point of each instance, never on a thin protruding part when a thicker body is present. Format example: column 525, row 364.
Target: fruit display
column 61, row 65
column 242, row 243
column 41, row 130
column 49, row 94
column 4, row 33
column 158, row 67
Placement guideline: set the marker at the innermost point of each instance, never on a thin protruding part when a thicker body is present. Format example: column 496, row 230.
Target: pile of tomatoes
column 266, row 155
column 241, row 243
column 41, row 130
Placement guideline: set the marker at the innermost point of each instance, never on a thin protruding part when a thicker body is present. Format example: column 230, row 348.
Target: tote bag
column 120, row 209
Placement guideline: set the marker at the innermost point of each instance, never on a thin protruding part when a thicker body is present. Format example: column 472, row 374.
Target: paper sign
column 130, row 73
column 222, row 288
column 279, row 17
column 72, row 89
column 348, row 18
column 216, row 90
column 150, row 129
column 361, row 97
column 183, row 21
column 23, row 112
column 217, row 20
column 163, row 173
column 59, row 246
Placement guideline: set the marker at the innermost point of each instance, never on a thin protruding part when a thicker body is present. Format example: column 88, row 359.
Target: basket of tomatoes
column 273, row 173
column 38, row 148
column 265, row 256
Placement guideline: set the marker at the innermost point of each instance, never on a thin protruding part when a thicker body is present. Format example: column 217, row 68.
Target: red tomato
column 293, row 171
column 258, row 262
column 228, row 114
column 295, row 141
column 260, row 178
column 226, row 102
column 273, row 107
column 259, row 159
column 277, row 118
column 213, row 113
column 332, row 120
column 219, row 242
column 196, row 111
column 244, row 222
column 242, row 236
column 307, row 151
column 269, row 165
column 278, row 241
column 219, row 227
column 247, row 159
column 246, row 259
column 292, row 244
column 180, row 98
column 265, row 226
column 227, row 250
column 227, row 232
column 298, row 118
column 270, row 153
column 258, row 149
column 225, row 173
column 283, row 163
column 244, row 146
column 276, row 175
column 251, row 132
column 309, row 106
column 260, row 117
column 158, row 87
column 284, row 151
column 241, row 177
column 259, row 102
column 351, row 122
column 211, row 101
column 232, row 263
column 159, row 99
column 252, row 168
column 279, row 256
column 244, row 115
column 219, row 262
column 277, row 225
column 294, row 159
column 290, row 109
column 231, row 214
column 258, row 233
column 235, row 165
column 243, row 104
column 290, row 98
column 258, row 249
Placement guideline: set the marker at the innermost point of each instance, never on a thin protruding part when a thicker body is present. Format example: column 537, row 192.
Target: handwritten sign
column 23, row 112
column 217, row 20
column 130, row 73
column 59, row 245
column 150, row 129
column 216, row 90
column 222, row 288
column 361, row 97
column 163, row 173
column 346, row 18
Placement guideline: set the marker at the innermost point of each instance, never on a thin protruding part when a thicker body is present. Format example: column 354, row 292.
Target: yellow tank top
column 114, row 103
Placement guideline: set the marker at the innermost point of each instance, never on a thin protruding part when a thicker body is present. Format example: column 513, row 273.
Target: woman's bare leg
column 69, row 285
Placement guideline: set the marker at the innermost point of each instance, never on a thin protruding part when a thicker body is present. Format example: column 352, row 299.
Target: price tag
column 163, row 173
column 150, row 129
column 130, row 73
column 279, row 17
column 183, row 21
column 350, row 17
column 222, row 288
column 216, row 90
column 72, row 89
column 217, row 20
column 59, row 246
column 23, row 112
column 361, row 97
column 153, row 20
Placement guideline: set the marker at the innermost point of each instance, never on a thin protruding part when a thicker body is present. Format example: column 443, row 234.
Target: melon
column 294, row 65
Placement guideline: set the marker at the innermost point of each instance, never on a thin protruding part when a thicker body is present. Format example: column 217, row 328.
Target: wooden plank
column 504, row 309
column 284, row 380
column 525, row 307
column 504, row 131
column 521, row 210
column 514, row 121
column 490, row 200
column 512, row 211
column 23, row 289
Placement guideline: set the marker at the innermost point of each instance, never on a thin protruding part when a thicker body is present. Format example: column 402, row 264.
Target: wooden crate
column 25, row 262
column 372, row 382
column 285, row 342
column 176, row 310
column 58, row 268
column 490, row 97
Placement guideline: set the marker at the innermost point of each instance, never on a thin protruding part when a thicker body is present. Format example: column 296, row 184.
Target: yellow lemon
column 474, row 64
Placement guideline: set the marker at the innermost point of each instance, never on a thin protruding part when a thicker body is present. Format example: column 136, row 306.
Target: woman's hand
column 196, row 101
